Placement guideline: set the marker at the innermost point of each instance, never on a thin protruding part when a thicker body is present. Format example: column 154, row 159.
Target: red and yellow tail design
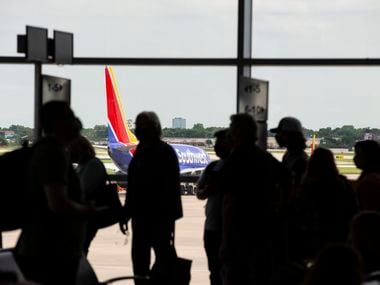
column 118, row 130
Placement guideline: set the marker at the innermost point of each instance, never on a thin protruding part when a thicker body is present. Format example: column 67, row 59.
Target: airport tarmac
column 111, row 256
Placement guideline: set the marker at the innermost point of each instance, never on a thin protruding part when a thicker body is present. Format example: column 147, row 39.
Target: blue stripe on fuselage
column 111, row 135
column 120, row 156
column 191, row 157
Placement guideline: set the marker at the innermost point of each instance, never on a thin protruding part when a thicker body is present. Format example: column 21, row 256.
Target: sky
column 319, row 97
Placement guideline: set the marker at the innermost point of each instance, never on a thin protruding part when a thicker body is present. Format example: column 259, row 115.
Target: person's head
column 243, row 129
column 367, row 155
column 336, row 264
column 322, row 164
column 58, row 120
column 289, row 133
column 81, row 150
column 222, row 146
column 148, row 127
column 365, row 237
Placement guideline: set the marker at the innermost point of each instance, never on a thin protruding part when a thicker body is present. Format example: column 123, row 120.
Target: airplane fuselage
column 190, row 158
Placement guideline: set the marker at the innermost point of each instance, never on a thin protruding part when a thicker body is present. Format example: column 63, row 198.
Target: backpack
column 14, row 169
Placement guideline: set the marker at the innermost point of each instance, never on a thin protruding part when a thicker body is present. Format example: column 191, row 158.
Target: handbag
column 108, row 206
column 180, row 269
column 181, row 274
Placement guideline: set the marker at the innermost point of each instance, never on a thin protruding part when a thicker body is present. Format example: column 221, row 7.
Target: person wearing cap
column 250, row 180
column 289, row 134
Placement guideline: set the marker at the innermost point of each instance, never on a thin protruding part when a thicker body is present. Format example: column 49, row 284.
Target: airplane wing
column 192, row 171
column 98, row 146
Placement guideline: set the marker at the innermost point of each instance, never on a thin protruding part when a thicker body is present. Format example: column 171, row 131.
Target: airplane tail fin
column 118, row 130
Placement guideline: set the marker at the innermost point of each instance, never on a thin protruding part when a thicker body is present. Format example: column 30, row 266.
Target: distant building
column 179, row 123
column 7, row 134
column 130, row 124
column 368, row 136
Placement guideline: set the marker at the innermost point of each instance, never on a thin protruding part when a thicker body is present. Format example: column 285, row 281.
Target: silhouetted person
column 51, row 243
column 250, row 179
column 336, row 264
column 92, row 176
column 367, row 158
column 365, row 234
column 208, row 187
column 289, row 134
column 153, row 200
column 324, row 208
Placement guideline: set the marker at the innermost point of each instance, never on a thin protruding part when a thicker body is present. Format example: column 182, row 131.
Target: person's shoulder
column 345, row 186
column 300, row 159
column 95, row 163
column 344, row 179
column 370, row 179
column 47, row 147
column 301, row 156
column 271, row 160
column 211, row 165
column 373, row 175
column 164, row 146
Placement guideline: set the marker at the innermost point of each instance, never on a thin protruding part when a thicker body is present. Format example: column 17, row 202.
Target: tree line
column 343, row 137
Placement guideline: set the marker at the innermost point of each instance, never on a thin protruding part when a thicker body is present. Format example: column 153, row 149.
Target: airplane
column 122, row 142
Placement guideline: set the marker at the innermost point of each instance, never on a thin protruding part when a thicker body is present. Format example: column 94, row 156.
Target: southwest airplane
column 122, row 142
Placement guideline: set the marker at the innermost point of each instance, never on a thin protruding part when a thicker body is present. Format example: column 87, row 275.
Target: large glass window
column 292, row 28
column 129, row 28
column 323, row 97
column 204, row 95
column 16, row 95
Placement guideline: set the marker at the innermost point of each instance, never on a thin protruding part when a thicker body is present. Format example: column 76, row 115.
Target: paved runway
column 111, row 257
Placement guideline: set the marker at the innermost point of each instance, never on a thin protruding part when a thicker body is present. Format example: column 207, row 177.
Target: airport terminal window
column 16, row 94
column 281, row 29
column 315, row 29
column 144, row 28
column 200, row 94
column 319, row 97
column 323, row 97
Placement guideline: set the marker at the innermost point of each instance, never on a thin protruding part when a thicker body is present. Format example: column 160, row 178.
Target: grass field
column 343, row 159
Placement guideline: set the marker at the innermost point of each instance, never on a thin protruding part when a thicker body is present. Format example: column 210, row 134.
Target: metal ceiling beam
column 269, row 62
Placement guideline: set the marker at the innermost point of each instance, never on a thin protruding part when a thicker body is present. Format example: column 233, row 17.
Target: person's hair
column 153, row 122
column 51, row 112
column 336, row 264
column 81, row 150
column 221, row 134
column 370, row 151
column 245, row 126
column 321, row 165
